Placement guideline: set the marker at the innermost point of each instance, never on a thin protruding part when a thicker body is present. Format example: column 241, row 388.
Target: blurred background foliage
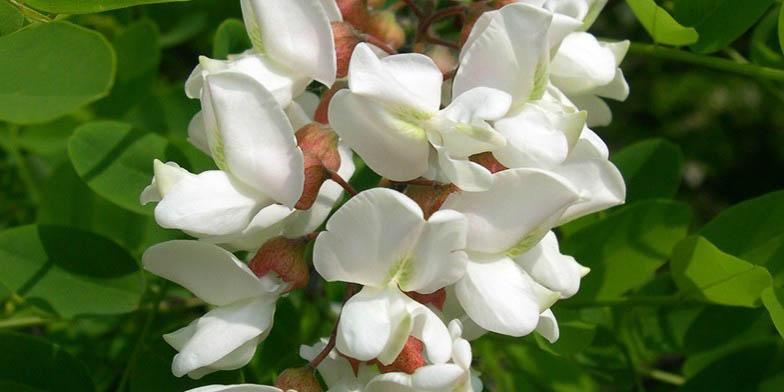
column 686, row 283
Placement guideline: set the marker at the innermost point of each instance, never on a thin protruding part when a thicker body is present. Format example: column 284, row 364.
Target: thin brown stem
column 334, row 176
column 444, row 12
column 439, row 41
column 414, row 8
column 350, row 290
column 371, row 39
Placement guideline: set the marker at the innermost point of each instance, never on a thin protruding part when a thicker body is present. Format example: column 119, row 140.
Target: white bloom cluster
column 486, row 165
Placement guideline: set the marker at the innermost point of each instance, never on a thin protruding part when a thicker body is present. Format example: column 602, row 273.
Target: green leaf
column 69, row 271
column 781, row 28
column 625, row 248
column 51, row 69
column 719, row 22
column 661, row 25
column 32, row 364
column 11, row 19
column 773, row 299
column 704, row 272
column 230, row 37
column 115, row 160
column 575, row 335
column 741, row 370
column 50, row 138
column 765, row 48
column 651, row 169
column 67, row 201
column 747, row 225
column 138, row 56
column 87, row 6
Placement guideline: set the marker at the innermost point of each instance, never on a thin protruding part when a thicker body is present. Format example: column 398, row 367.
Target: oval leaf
column 704, row 272
column 69, row 271
column 10, row 18
column 115, row 160
column 660, row 24
column 719, row 22
column 651, row 169
column 32, row 364
column 51, row 69
column 87, row 6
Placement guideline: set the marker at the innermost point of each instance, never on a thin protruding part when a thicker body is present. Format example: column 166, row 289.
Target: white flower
column 390, row 116
column 226, row 337
column 337, row 371
column 453, row 377
column 252, row 197
column 380, row 239
column 515, row 271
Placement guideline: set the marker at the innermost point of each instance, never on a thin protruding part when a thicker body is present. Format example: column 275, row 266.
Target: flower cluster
column 479, row 162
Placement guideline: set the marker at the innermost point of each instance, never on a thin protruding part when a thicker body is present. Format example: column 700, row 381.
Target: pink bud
column 437, row 298
column 383, row 25
column 284, row 256
column 354, row 12
column 346, row 38
column 319, row 145
column 430, row 197
column 299, row 379
column 488, row 161
column 409, row 360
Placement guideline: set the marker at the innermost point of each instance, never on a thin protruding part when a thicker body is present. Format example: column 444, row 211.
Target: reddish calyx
column 430, row 197
column 319, row 145
column 409, row 360
column 298, row 379
column 437, row 298
column 286, row 257
column 488, row 161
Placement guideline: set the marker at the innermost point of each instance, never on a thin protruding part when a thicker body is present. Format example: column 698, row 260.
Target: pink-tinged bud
column 437, row 298
column 383, row 25
column 286, row 257
column 409, row 360
column 346, row 38
column 322, row 111
column 319, row 145
column 488, row 161
column 354, row 12
column 298, row 379
column 430, row 197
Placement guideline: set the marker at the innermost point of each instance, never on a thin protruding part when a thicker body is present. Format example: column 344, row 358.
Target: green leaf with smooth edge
column 115, row 160
column 87, row 6
column 67, row 201
column 704, row 272
column 138, row 56
column 575, row 335
column 69, row 271
column 545, row 371
column 51, row 69
column 719, row 22
column 661, row 25
column 741, row 370
column 49, row 138
column 32, row 364
column 626, row 247
column 11, row 19
column 781, row 28
column 651, row 169
column 747, row 225
column 773, row 300
column 230, row 37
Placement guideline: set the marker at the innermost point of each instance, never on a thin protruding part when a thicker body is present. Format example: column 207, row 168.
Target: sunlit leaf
column 719, row 22
column 661, row 25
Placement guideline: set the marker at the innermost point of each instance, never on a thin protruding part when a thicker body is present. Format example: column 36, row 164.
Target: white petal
column 591, row 144
column 222, row 330
column 467, row 131
column 197, row 134
column 296, row 33
column 211, row 203
column 391, row 382
column 548, row 326
column 619, row 49
column 297, row 116
column 618, row 89
column 428, row 328
column 332, row 10
column 368, row 322
column 438, row 259
column 599, row 182
column 369, row 238
column 251, row 137
column 236, row 359
column 334, row 369
column 582, row 64
column 410, row 82
column 391, row 146
column 499, row 296
column 560, row 28
column 308, row 101
column 467, row 175
column 507, row 51
column 165, row 177
column 599, row 113
column 510, row 215
column 270, row 222
column 195, row 266
column 461, row 353
column 437, row 377
column 556, row 271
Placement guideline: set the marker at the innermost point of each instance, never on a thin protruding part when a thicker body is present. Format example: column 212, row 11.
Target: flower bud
column 284, row 256
column 383, row 25
column 298, row 379
column 319, row 145
column 354, row 12
column 430, row 197
column 322, row 111
column 488, row 161
column 409, row 360
column 346, row 38
column 437, row 298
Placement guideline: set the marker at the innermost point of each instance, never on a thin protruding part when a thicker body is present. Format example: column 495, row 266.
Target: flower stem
column 713, row 62
column 661, row 375
column 414, row 8
column 334, row 176
column 25, row 322
column 371, row 39
column 350, row 290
